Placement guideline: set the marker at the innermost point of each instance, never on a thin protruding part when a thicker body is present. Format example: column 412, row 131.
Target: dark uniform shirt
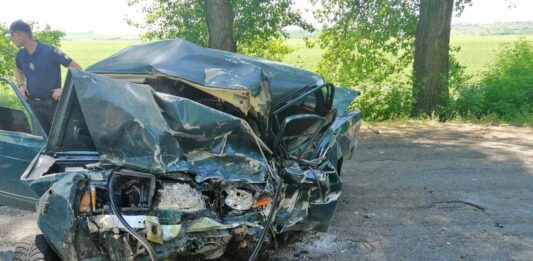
column 42, row 69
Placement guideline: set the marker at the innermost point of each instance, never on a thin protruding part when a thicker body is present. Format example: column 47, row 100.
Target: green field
column 91, row 51
column 477, row 52
column 303, row 56
column 88, row 52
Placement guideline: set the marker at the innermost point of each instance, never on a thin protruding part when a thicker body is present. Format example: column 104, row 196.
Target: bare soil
column 415, row 192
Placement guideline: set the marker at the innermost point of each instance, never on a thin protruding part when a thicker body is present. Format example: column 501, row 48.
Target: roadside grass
column 303, row 56
column 490, row 120
column 478, row 53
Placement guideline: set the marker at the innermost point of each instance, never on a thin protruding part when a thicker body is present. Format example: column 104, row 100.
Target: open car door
column 21, row 138
column 301, row 123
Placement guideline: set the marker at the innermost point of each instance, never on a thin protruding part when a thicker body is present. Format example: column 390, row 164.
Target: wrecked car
column 170, row 150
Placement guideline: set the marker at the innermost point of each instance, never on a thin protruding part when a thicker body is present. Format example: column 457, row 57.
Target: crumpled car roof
column 179, row 58
column 133, row 126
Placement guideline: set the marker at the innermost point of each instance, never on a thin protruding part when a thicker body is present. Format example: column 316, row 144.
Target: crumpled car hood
column 133, row 126
column 207, row 67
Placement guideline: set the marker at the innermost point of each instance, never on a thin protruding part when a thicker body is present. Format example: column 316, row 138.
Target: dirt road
column 429, row 192
column 441, row 192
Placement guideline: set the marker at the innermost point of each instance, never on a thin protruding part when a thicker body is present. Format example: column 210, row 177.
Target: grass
column 8, row 97
column 477, row 52
column 88, row 52
column 91, row 51
column 303, row 56
column 488, row 120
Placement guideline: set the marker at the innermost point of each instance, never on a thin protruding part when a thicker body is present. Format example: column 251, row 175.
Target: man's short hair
column 20, row 26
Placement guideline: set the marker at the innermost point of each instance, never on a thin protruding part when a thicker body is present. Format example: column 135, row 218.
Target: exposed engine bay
column 177, row 217
column 123, row 214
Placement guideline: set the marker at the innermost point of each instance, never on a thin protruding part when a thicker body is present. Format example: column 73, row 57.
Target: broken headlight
column 239, row 199
column 131, row 191
column 179, row 196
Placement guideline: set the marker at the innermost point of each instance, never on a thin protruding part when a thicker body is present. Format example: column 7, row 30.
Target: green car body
column 167, row 149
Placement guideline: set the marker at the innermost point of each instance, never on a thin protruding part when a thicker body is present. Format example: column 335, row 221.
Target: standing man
column 38, row 73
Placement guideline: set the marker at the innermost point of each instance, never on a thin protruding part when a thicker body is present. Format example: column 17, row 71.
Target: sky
column 108, row 16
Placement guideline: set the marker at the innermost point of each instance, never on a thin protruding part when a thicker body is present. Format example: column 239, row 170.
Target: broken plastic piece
column 153, row 232
column 262, row 202
column 84, row 202
column 93, row 197
column 170, row 231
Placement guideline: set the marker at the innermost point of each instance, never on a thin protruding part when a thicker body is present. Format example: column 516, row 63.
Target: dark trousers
column 44, row 109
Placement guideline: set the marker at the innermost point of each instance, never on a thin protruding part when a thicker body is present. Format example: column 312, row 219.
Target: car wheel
column 34, row 248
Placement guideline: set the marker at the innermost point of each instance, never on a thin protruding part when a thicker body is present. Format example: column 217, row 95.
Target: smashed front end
column 148, row 216
column 136, row 173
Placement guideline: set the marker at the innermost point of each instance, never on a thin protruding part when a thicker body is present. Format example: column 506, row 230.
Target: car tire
column 34, row 248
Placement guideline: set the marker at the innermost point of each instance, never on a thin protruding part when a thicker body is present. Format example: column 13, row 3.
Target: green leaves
column 366, row 41
column 369, row 46
column 257, row 26
column 509, row 83
column 506, row 89
column 7, row 54
column 45, row 34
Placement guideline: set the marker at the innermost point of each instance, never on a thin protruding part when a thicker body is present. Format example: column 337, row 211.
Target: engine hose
column 130, row 230
column 268, row 223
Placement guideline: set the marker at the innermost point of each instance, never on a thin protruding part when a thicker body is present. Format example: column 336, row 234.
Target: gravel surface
column 417, row 192
column 431, row 192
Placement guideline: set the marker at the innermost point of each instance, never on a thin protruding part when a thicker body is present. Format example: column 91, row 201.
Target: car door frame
column 23, row 198
column 37, row 128
column 311, row 176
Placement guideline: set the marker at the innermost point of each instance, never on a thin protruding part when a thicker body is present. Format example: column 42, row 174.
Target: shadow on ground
column 439, row 192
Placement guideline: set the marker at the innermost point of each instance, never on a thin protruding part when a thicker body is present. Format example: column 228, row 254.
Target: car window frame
column 37, row 129
column 296, row 98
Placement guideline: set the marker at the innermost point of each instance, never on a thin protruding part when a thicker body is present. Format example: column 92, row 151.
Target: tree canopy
column 257, row 24
column 366, row 41
column 369, row 45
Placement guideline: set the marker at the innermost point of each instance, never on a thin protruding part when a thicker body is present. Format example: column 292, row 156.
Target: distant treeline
column 509, row 28
column 97, row 36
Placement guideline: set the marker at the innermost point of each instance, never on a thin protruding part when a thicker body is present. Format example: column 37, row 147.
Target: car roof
column 178, row 58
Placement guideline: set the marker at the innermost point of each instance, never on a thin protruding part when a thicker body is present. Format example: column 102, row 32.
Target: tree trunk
column 220, row 25
column 432, row 44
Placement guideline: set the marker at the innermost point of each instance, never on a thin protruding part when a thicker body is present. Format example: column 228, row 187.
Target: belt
column 42, row 101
